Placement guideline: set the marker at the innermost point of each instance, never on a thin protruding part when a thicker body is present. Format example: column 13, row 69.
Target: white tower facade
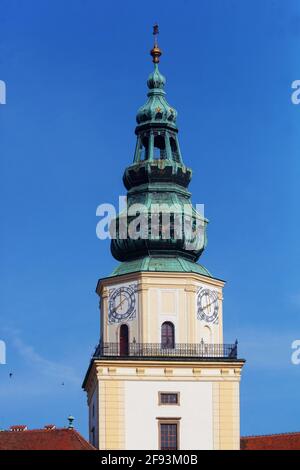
column 162, row 376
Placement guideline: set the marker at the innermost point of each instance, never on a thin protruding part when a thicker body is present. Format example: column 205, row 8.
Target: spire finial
column 71, row 419
column 155, row 33
column 155, row 52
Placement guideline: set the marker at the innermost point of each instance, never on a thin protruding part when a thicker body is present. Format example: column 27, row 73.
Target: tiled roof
column 43, row 439
column 287, row 441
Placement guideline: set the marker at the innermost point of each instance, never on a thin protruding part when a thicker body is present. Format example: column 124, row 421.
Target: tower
column 162, row 376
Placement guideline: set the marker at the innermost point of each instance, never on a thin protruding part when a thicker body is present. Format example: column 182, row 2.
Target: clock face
column 207, row 305
column 122, row 304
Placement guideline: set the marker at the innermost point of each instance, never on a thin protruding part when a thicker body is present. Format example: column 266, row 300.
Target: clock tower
column 162, row 376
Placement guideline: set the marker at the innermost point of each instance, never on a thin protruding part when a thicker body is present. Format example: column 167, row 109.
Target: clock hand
column 205, row 301
column 125, row 298
column 208, row 305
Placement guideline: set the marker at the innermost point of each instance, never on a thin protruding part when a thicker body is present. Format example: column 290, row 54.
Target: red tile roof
column 43, row 439
column 287, row 441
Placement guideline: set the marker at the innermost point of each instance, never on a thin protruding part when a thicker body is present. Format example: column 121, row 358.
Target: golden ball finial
column 155, row 52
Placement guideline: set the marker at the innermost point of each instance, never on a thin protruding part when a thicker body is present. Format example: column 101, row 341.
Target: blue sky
column 76, row 74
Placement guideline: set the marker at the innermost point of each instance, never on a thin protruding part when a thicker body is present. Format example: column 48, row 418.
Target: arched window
column 207, row 334
column 159, row 150
column 124, row 340
column 144, row 149
column 174, row 149
column 167, row 335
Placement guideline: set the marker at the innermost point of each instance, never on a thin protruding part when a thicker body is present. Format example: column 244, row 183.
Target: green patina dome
column 158, row 177
column 156, row 79
column 160, row 264
column 156, row 109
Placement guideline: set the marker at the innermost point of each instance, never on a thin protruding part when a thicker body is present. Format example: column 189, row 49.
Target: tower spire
column 155, row 52
column 158, row 175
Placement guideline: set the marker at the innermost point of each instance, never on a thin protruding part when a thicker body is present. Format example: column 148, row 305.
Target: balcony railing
column 156, row 350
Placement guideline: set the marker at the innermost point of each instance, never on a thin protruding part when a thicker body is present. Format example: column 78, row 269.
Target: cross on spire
column 155, row 33
column 155, row 52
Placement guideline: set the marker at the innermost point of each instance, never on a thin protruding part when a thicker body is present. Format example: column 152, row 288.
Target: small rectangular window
column 168, row 398
column 168, row 436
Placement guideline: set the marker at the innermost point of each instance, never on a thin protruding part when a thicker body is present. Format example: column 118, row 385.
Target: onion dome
column 156, row 79
column 158, row 178
column 156, row 110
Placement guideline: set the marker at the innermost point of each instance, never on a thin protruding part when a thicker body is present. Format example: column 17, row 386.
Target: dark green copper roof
column 157, row 183
column 156, row 108
column 160, row 264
